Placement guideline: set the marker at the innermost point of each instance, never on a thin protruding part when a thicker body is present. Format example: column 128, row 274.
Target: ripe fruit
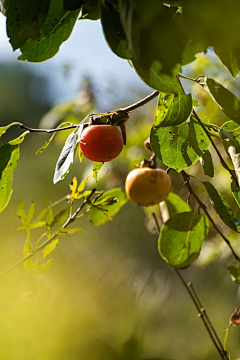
column 101, row 143
column 147, row 186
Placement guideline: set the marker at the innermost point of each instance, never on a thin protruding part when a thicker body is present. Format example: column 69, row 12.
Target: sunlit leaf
column 181, row 238
column 3, row 129
column 35, row 267
column 31, row 211
column 56, row 29
column 100, row 214
column 21, row 212
column 176, row 205
column 82, row 184
column 207, row 164
column 9, row 156
column 50, row 247
column 36, row 225
column 179, row 146
column 27, row 246
column 73, row 231
column 172, row 110
column 221, row 207
column 96, row 168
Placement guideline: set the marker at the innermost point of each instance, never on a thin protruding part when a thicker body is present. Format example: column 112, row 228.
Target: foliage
column 158, row 39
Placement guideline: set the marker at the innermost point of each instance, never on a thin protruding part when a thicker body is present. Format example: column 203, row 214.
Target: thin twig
column 68, row 221
column 203, row 206
column 220, row 349
column 206, row 321
column 116, row 115
column 224, row 164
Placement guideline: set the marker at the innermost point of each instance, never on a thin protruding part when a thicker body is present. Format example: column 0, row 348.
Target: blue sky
column 87, row 52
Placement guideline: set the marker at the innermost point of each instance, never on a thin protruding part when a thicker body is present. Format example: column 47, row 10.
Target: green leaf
column 27, row 246
column 172, row 111
column 34, row 267
column 49, row 218
column 9, row 156
column 179, row 146
column 113, row 30
column 36, row 225
column 66, row 157
column 176, row 205
column 50, row 247
column 235, row 273
column 228, row 57
column 230, row 136
column 21, row 212
column 96, row 168
column 42, row 148
column 207, row 164
column 31, row 212
column 42, row 214
column 100, row 214
column 72, row 4
column 3, row 129
column 221, row 207
column 226, row 100
column 24, row 19
column 62, row 216
column 91, row 10
column 181, row 238
column 56, row 29
column 236, row 192
column 74, row 230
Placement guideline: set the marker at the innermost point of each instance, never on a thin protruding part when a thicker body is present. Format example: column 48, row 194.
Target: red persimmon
column 101, row 143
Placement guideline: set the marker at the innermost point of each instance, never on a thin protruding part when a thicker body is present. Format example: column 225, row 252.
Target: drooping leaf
column 172, row 110
column 72, row 4
column 176, row 205
column 101, row 212
column 234, row 273
column 207, row 164
column 228, row 57
column 56, row 29
column 236, row 192
column 66, row 157
column 179, row 146
column 221, row 207
column 91, row 10
column 181, row 238
column 113, row 30
column 96, row 168
column 24, row 19
column 226, row 100
column 50, row 247
column 230, row 136
column 9, row 156
column 47, row 142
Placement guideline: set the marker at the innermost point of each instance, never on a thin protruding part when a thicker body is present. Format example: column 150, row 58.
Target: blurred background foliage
column 108, row 294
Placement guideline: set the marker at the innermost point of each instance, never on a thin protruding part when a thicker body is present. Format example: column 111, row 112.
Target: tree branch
column 204, row 208
column 68, row 222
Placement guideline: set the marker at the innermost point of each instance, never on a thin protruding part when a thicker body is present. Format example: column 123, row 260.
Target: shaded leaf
column 100, row 214
column 91, row 10
column 181, row 238
column 50, row 247
column 113, row 30
column 226, row 100
column 96, row 168
column 49, row 218
column 62, row 216
column 179, row 146
column 172, row 110
column 228, row 57
column 72, row 4
column 56, row 29
column 235, row 273
column 207, row 164
column 221, row 207
column 24, row 19
column 236, row 192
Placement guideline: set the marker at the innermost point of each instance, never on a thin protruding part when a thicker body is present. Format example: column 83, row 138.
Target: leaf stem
column 68, row 222
column 204, row 208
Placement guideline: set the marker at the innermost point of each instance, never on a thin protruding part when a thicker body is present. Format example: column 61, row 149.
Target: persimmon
column 147, row 186
column 101, row 142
